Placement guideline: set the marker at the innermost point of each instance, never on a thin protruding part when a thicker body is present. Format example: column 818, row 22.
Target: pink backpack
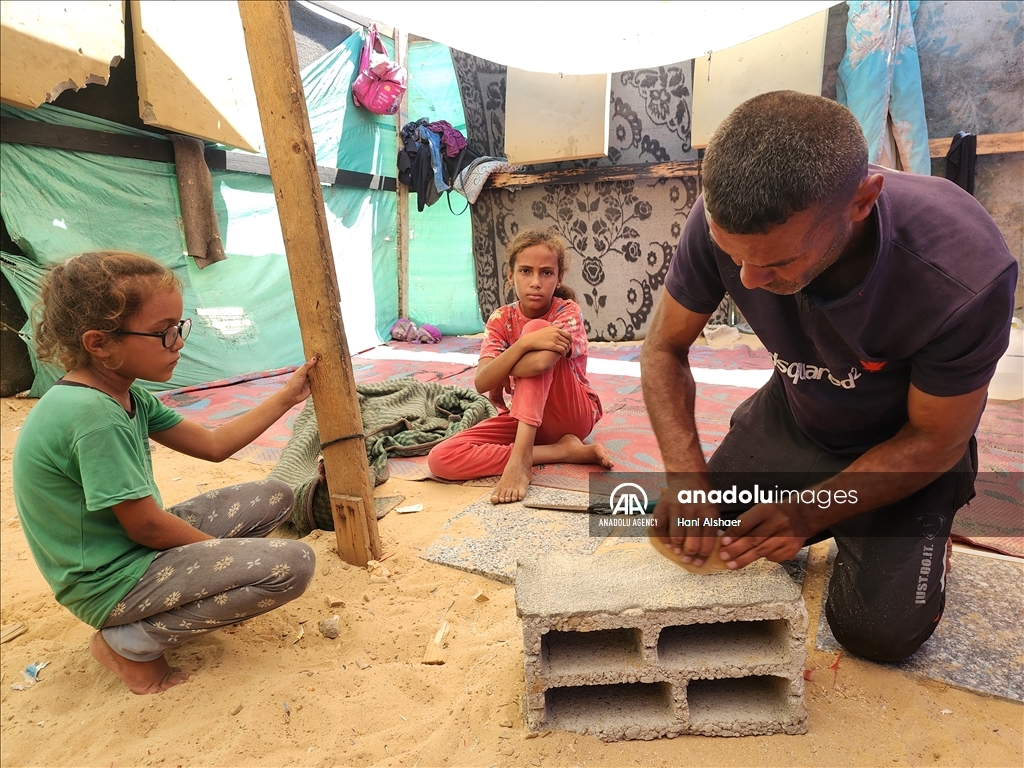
column 381, row 82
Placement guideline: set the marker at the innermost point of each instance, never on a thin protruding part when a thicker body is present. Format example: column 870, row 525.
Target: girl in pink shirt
column 535, row 349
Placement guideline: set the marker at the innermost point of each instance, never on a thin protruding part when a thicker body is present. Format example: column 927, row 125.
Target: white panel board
column 790, row 59
column 193, row 71
column 48, row 48
column 555, row 117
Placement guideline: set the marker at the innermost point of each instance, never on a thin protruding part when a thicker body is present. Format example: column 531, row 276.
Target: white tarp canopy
column 576, row 38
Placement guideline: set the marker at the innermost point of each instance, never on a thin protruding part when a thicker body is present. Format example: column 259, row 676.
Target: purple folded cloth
column 427, row 334
column 403, row 330
column 451, row 137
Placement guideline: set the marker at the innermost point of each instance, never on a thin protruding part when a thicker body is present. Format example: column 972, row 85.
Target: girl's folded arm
column 533, row 363
column 546, row 346
column 532, row 353
column 149, row 525
column 491, row 372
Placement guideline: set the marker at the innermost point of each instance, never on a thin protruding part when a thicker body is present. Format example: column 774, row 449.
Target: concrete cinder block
column 627, row 645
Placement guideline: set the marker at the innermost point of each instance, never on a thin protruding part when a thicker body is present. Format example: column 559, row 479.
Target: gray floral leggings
column 197, row 588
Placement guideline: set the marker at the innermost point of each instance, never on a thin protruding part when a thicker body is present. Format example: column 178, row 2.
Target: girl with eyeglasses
column 147, row 578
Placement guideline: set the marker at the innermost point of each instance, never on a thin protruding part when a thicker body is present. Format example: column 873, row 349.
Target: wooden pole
column 402, row 196
column 300, row 205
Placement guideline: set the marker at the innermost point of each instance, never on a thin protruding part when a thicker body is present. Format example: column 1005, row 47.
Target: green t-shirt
column 79, row 454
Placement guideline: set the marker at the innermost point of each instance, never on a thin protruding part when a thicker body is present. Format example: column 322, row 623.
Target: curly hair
column 527, row 238
column 93, row 291
column 778, row 154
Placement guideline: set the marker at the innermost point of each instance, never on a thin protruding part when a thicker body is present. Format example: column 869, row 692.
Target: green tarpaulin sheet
column 56, row 203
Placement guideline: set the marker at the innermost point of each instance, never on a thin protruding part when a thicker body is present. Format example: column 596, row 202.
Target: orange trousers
column 554, row 401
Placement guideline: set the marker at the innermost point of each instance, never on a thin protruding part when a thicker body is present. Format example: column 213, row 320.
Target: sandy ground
column 259, row 696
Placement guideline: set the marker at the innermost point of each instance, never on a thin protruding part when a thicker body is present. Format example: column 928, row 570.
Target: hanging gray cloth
column 401, row 417
column 195, row 191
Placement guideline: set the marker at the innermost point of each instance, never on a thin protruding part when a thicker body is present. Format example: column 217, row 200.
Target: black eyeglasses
column 167, row 337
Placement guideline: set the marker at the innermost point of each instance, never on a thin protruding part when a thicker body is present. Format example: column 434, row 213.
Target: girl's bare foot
column 141, row 676
column 601, row 456
column 513, row 483
column 571, row 450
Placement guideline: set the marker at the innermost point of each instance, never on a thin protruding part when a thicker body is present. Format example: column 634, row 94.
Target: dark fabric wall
column 972, row 75
column 621, row 235
column 315, row 34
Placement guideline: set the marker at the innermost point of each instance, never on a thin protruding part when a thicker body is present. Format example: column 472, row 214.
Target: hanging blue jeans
column 434, row 140
column 880, row 81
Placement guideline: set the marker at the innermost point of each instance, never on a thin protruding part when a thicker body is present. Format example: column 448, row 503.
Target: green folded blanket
column 401, row 417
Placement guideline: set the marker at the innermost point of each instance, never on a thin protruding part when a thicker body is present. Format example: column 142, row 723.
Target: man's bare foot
column 141, row 676
column 575, row 451
column 513, row 483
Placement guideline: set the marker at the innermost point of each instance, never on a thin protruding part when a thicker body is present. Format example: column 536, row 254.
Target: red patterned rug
column 993, row 520
column 217, row 402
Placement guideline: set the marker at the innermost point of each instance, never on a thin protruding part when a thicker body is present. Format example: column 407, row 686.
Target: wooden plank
column 48, row 48
column 988, row 144
column 245, row 163
column 640, row 172
column 193, row 73
column 300, row 205
column 9, row 632
column 1000, row 143
column 402, row 198
column 434, row 653
column 33, row 133
column 556, row 507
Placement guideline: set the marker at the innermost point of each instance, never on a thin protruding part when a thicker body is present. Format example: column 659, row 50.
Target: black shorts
column 888, row 586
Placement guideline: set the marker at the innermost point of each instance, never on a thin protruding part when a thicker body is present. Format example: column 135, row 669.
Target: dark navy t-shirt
column 934, row 311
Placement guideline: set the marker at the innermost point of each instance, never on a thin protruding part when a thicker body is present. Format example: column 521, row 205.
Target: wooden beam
column 639, row 172
column 11, row 631
column 402, row 196
column 988, row 144
column 300, row 205
column 30, row 132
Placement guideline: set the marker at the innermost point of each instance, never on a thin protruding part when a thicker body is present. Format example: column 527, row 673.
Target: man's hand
column 936, row 436
column 775, row 532
column 681, row 526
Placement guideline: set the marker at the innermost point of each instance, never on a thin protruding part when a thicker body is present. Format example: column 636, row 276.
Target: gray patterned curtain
column 621, row 235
